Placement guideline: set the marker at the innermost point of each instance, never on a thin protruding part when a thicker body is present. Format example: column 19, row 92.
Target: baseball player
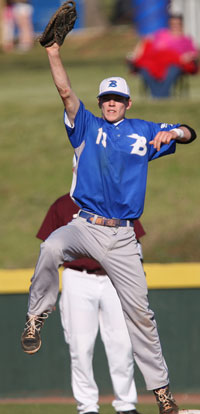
column 88, row 302
column 112, row 155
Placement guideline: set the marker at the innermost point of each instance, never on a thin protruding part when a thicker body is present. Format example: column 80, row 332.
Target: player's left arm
column 184, row 134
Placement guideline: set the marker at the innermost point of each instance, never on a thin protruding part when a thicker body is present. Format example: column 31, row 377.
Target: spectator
column 7, row 27
column 160, row 59
column 17, row 15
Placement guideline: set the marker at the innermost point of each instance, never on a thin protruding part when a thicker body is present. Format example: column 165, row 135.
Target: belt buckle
column 109, row 222
column 100, row 221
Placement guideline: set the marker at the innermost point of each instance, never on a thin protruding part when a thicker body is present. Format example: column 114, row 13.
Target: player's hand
column 162, row 137
column 53, row 49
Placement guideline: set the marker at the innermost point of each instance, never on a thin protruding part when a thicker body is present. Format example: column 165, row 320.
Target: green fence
column 48, row 372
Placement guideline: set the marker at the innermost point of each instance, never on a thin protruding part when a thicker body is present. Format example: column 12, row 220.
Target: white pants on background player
column 89, row 302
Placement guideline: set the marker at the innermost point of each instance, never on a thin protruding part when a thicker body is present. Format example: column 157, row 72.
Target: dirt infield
column 142, row 399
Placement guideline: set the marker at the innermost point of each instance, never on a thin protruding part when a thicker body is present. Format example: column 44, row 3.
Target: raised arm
column 62, row 82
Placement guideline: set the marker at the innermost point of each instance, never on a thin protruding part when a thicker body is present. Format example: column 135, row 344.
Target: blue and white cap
column 115, row 86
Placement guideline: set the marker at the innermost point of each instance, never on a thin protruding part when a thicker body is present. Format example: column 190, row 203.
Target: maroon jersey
column 59, row 214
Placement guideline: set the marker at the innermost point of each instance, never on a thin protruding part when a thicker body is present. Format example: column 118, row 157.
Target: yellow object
column 159, row 276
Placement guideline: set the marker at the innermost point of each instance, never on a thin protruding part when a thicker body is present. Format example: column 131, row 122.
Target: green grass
column 62, row 409
column 71, row 409
column 35, row 155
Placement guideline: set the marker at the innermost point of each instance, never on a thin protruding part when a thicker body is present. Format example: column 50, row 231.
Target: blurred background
column 155, row 45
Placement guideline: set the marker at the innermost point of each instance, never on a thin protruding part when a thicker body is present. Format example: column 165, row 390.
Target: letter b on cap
column 112, row 84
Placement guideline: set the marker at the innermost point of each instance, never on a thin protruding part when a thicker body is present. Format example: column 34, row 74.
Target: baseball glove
column 61, row 23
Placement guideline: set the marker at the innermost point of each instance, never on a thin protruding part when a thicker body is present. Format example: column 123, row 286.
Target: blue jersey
column 112, row 163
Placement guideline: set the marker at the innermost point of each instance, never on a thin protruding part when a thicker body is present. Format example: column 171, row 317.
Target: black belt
column 103, row 221
column 99, row 271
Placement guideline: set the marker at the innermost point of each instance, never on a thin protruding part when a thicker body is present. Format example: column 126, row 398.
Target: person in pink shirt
column 162, row 57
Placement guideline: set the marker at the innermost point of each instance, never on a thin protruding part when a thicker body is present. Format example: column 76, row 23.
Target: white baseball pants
column 89, row 302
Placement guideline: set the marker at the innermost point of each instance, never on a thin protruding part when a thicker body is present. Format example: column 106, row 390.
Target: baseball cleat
column 30, row 339
column 165, row 401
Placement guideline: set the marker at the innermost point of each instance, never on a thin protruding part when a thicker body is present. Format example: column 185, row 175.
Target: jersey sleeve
column 139, row 230
column 59, row 214
column 76, row 133
column 165, row 148
column 49, row 224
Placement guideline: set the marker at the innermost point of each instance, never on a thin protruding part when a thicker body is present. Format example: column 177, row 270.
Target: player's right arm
column 62, row 82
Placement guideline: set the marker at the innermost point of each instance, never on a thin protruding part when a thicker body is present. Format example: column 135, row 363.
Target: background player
column 89, row 302
column 112, row 163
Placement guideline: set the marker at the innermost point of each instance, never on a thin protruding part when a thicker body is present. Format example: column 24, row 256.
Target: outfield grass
column 63, row 409
column 36, row 157
column 60, row 409
column 71, row 409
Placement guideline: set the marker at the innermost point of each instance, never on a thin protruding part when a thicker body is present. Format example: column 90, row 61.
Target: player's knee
column 51, row 248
